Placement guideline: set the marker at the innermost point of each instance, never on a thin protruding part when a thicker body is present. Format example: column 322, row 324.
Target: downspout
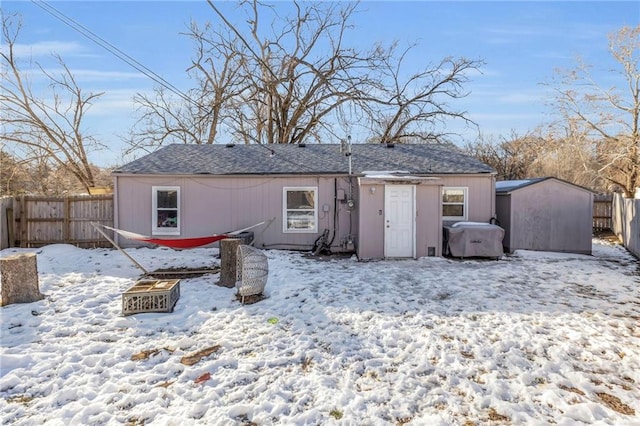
column 335, row 210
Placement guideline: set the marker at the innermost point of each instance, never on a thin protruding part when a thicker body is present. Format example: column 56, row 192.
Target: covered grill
column 471, row 239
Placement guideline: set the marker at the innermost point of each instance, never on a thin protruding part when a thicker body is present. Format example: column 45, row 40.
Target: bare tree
column 48, row 129
column 300, row 73
column 409, row 109
column 565, row 155
column 517, row 157
column 14, row 175
column 601, row 123
column 198, row 116
column 288, row 79
column 38, row 175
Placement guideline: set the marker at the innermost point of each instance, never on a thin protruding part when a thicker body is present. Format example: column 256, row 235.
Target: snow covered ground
column 535, row 338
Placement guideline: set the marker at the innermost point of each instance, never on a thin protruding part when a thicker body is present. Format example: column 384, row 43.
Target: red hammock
column 185, row 243
column 180, row 243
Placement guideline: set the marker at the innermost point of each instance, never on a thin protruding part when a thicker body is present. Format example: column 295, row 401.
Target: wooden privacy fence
column 35, row 221
column 602, row 212
column 626, row 222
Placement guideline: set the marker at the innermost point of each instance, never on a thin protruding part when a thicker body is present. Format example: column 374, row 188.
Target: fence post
column 24, row 226
column 6, row 206
column 66, row 224
column 10, row 222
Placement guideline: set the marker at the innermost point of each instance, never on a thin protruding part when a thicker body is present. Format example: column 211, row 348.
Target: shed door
column 399, row 232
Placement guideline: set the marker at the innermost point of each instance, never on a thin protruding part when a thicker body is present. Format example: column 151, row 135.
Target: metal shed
column 545, row 214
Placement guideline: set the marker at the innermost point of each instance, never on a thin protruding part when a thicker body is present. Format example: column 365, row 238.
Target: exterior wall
column 480, row 206
column 371, row 226
column 429, row 219
column 218, row 204
column 551, row 216
column 503, row 213
column 428, row 224
column 481, row 192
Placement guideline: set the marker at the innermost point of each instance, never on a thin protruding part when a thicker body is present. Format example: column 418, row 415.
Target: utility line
column 137, row 65
column 113, row 50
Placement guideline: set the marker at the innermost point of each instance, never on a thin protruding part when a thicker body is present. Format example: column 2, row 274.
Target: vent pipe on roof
column 390, row 145
column 230, row 145
column 301, row 145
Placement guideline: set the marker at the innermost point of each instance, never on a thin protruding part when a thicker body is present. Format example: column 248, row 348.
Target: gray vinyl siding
column 218, row 204
column 503, row 214
column 213, row 205
column 480, row 205
column 480, row 192
column 371, row 225
column 429, row 219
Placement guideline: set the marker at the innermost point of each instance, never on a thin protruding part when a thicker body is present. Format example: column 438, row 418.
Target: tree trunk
column 19, row 279
column 228, row 248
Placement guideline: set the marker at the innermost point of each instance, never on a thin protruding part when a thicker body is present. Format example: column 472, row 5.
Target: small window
column 166, row 210
column 454, row 203
column 300, row 209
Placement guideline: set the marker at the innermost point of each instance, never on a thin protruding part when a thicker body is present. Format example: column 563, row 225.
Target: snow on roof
column 510, row 185
column 506, row 186
column 395, row 175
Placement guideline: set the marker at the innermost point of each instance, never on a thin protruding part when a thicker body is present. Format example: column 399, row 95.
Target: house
column 545, row 214
column 378, row 200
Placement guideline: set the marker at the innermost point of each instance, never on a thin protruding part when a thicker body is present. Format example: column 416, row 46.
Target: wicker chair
column 252, row 270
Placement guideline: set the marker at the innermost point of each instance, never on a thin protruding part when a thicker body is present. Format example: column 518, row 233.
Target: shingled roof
column 316, row 159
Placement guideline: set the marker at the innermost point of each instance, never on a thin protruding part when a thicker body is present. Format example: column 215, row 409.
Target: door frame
column 412, row 222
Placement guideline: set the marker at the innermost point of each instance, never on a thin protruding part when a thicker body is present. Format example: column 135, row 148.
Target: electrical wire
column 75, row 25
column 132, row 62
column 70, row 22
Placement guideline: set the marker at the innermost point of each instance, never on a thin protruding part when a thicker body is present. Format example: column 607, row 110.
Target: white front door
column 399, row 220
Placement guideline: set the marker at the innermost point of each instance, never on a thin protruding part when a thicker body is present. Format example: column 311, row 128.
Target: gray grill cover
column 474, row 240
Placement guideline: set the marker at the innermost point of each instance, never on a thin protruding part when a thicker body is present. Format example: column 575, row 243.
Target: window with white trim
column 454, row 203
column 165, row 213
column 300, row 209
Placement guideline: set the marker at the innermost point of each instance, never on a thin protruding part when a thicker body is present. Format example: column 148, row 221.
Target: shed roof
column 309, row 159
column 508, row 186
column 505, row 186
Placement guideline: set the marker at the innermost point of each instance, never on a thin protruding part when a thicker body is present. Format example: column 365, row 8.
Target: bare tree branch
column 51, row 129
column 605, row 119
column 289, row 79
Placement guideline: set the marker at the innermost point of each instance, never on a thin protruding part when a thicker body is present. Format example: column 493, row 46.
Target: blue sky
column 521, row 43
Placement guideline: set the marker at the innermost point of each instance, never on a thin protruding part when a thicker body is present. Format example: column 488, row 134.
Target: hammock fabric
column 180, row 243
